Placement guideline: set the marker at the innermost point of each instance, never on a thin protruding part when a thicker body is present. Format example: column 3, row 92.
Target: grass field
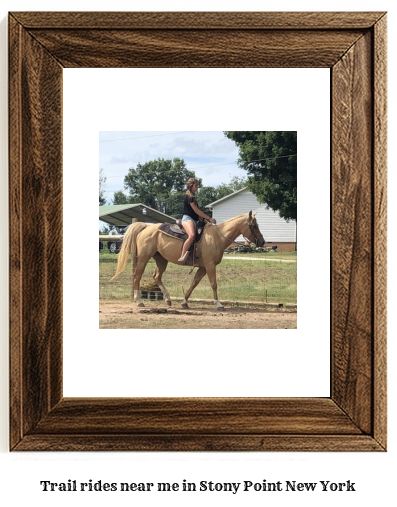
column 268, row 278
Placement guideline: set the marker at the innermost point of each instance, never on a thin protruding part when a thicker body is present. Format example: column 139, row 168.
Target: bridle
column 255, row 232
column 253, row 228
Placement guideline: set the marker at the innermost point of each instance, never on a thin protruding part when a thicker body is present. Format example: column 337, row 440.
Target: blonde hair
column 190, row 182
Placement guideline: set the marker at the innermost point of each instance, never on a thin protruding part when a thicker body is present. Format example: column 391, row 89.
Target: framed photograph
column 253, row 298
column 353, row 47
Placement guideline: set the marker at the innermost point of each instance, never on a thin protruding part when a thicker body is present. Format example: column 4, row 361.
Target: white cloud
column 208, row 153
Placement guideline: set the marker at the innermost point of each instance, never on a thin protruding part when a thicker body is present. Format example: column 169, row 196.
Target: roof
column 122, row 214
column 226, row 197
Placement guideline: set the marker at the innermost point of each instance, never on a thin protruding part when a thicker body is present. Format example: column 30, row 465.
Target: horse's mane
column 234, row 218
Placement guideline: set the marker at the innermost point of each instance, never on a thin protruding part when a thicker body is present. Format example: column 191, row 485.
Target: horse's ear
column 250, row 215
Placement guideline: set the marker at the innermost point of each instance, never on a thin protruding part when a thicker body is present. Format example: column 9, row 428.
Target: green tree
column 207, row 195
column 174, row 204
column 120, row 198
column 102, row 181
column 161, row 184
column 154, row 182
column 270, row 159
column 234, row 185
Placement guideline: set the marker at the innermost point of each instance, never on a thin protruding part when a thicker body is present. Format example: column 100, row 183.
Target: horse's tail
column 128, row 247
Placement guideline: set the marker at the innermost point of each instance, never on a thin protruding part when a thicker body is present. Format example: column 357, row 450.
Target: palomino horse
column 144, row 241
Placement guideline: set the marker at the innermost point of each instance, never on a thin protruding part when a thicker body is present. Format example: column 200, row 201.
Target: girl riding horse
column 191, row 214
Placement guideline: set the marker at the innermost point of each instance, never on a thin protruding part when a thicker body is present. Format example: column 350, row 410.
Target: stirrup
column 183, row 257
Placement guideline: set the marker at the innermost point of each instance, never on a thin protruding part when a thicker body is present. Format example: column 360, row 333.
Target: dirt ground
column 157, row 315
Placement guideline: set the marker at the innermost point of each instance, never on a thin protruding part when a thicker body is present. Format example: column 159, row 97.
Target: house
column 276, row 231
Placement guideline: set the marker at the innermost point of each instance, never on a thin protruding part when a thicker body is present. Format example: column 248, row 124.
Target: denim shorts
column 187, row 218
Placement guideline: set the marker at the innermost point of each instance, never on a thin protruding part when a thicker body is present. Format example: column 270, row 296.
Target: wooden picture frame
column 353, row 46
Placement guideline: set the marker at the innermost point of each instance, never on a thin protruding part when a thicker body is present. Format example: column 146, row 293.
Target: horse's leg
column 211, row 272
column 137, row 275
column 197, row 278
column 161, row 267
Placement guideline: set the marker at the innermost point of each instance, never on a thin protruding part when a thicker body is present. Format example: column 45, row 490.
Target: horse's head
column 253, row 233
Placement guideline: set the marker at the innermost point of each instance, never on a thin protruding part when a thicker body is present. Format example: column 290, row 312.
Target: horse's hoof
column 169, row 303
column 184, row 305
column 220, row 308
column 140, row 305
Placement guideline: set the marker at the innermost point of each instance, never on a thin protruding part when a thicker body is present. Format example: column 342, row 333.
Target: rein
column 233, row 240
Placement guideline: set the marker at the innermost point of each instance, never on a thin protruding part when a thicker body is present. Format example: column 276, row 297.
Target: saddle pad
column 173, row 230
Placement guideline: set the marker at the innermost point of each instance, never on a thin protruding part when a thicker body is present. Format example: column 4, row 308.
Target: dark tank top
column 187, row 209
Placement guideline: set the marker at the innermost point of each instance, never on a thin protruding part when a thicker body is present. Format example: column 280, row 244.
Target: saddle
column 177, row 231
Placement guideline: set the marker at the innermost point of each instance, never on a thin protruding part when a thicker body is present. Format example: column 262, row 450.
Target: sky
column 211, row 155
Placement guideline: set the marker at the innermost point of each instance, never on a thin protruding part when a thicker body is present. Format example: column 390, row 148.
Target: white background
column 261, row 363
column 20, row 473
